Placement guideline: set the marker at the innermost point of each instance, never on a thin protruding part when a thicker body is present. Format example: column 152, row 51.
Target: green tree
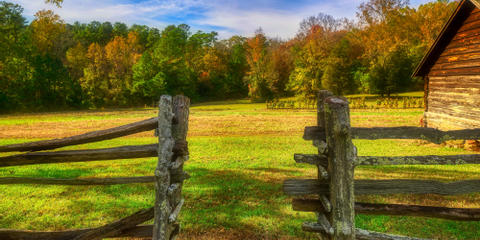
column 312, row 47
column 148, row 81
column 12, row 24
column 338, row 75
column 392, row 72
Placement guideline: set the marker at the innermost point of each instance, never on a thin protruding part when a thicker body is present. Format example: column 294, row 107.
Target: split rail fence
column 171, row 126
column 332, row 195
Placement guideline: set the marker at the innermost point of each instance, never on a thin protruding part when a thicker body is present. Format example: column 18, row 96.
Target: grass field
column 240, row 153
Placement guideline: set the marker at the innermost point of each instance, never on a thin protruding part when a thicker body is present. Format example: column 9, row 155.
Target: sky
column 279, row 18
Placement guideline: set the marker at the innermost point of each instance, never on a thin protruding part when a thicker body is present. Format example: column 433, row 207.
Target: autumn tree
column 311, row 49
column 121, row 54
column 260, row 71
column 95, row 81
column 48, row 32
column 282, row 64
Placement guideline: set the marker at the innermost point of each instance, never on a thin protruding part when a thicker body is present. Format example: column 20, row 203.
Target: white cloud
column 144, row 12
column 226, row 17
column 275, row 23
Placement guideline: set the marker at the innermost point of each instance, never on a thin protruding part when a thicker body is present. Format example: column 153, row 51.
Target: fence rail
column 459, row 214
column 430, row 134
column 335, row 188
column 295, row 187
column 125, row 152
column 140, row 231
column 172, row 152
column 321, row 160
column 96, row 136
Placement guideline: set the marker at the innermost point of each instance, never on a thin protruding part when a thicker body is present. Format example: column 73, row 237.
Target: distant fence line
column 369, row 102
column 171, row 125
column 335, row 189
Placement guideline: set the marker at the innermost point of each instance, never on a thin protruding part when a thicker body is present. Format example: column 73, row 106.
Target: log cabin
column 451, row 70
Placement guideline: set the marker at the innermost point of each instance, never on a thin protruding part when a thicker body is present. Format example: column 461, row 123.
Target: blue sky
column 277, row 18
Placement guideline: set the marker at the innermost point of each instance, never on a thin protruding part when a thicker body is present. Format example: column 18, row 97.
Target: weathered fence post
column 341, row 159
column 181, row 106
column 162, row 175
column 322, row 172
column 172, row 153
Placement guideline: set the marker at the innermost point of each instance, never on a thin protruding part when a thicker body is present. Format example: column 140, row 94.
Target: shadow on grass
column 226, row 199
column 274, row 170
column 233, row 199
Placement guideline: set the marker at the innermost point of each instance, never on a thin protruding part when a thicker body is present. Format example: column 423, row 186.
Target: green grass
column 240, row 154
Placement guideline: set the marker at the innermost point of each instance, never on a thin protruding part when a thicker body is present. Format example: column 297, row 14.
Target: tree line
column 48, row 63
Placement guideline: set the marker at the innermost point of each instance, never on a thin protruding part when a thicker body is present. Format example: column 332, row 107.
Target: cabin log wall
column 453, row 82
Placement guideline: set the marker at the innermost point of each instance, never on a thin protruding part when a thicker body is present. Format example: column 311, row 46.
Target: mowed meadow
column 240, row 153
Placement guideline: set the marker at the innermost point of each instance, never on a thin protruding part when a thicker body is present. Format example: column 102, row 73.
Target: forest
column 50, row 64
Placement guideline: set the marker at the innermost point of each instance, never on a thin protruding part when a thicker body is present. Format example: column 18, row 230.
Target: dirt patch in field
column 199, row 126
column 243, row 123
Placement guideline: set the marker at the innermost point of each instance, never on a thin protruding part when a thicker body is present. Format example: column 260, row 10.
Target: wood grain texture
column 370, row 235
column 117, row 227
column 321, row 161
column 341, row 163
column 360, row 234
column 132, row 128
column 181, row 111
column 429, row 134
column 177, row 177
column 314, row 133
column 419, row 160
column 318, row 227
column 125, row 152
column 78, row 181
column 457, row 214
column 162, row 175
column 142, row 231
column 454, row 84
column 446, row 121
column 297, row 187
column 313, row 159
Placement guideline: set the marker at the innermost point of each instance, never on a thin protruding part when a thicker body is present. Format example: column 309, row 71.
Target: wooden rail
column 458, row 214
column 132, row 128
column 125, row 152
column 430, row 134
column 125, row 227
column 334, row 189
column 419, row 160
column 141, row 231
column 117, row 227
column 320, row 159
column 172, row 152
column 360, row 234
column 178, row 177
column 295, row 187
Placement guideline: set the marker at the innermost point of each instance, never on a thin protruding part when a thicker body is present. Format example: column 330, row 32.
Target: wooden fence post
column 341, row 158
column 322, row 172
column 181, row 106
column 162, row 175
column 172, row 153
